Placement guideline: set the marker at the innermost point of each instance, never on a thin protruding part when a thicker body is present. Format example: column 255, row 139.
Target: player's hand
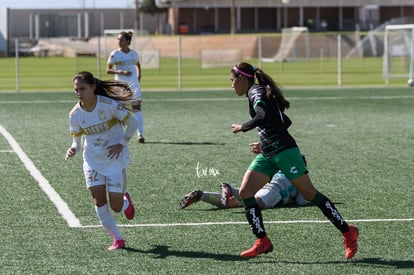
column 235, row 128
column 70, row 153
column 255, row 147
column 115, row 150
column 127, row 73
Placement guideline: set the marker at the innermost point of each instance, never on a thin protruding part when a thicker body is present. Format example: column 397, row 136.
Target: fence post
column 179, row 61
column 339, row 62
column 259, row 48
column 16, row 46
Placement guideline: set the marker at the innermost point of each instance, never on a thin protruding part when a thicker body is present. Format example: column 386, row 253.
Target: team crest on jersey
column 293, row 170
column 101, row 115
column 120, row 107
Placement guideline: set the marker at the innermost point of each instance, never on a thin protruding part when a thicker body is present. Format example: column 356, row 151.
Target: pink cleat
column 118, row 244
column 130, row 211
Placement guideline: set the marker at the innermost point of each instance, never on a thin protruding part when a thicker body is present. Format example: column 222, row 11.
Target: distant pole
column 233, row 17
column 259, row 53
column 99, row 57
column 179, row 62
column 339, row 62
column 136, row 25
column 16, row 42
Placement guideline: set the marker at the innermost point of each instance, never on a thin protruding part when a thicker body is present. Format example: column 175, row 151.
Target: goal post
column 398, row 58
column 294, row 45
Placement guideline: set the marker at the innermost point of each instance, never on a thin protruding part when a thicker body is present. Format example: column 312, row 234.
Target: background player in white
column 278, row 192
column 124, row 63
column 99, row 118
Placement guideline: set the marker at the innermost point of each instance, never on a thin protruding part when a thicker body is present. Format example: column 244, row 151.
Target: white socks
column 126, row 204
column 138, row 116
column 108, row 221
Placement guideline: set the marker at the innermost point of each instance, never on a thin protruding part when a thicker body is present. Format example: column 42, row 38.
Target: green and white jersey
column 272, row 125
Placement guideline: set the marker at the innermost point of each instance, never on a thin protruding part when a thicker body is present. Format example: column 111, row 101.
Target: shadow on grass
column 163, row 251
column 400, row 264
column 368, row 262
column 184, row 143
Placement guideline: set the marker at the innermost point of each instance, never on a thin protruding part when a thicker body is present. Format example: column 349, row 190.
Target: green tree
column 149, row 6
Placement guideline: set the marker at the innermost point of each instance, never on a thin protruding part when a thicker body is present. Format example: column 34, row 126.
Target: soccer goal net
column 294, row 45
column 220, row 58
column 398, row 59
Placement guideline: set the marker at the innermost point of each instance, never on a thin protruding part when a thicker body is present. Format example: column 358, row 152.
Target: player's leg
column 230, row 196
column 349, row 232
column 252, row 182
column 119, row 199
column 136, row 108
column 268, row 196
column 293, row 159
column 96, row 184
column 212, row 198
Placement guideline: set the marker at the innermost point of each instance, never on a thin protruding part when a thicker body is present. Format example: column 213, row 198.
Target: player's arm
column 252, row 123
column 138, row 68
column 74, row 148
column 111, row 70
column 131, row 127
column 131, row 124
column 255, row 121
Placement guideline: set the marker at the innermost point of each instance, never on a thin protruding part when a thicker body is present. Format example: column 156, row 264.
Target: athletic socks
column 254, row 217
column 211, row 198
column 139, row 118
column 330, row 211
column 125, row 205
column 108, row 221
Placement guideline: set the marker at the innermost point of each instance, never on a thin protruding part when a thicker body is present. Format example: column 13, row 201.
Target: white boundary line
column 60, row 204
column 73, row 221
column 245, row 223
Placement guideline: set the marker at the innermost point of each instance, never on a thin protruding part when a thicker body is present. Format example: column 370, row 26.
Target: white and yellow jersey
column 126, row 62
column 101, row 128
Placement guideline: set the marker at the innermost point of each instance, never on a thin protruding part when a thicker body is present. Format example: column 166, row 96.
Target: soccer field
column 358, row 144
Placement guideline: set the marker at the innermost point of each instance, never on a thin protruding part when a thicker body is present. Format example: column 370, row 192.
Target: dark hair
column 117, row 90
column 127, row 36
column 264, row 80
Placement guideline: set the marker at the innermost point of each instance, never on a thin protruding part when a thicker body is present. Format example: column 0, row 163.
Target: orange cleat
column 351, row 242
column 260, row 246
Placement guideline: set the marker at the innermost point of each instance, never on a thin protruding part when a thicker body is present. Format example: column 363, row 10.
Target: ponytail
column 117, row 90
column 272, row 88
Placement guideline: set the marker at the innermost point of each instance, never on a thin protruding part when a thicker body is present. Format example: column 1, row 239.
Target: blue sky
column 59, row 4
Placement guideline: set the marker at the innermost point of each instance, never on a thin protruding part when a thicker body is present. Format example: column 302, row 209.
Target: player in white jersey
column 278, row 192
column 98, row 119
column 125, row 64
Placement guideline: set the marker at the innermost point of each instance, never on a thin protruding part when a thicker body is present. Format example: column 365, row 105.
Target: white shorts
column 270, row 195
column 115, row 183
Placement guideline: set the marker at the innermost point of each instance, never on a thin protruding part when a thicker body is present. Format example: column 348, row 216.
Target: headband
column 241, row 72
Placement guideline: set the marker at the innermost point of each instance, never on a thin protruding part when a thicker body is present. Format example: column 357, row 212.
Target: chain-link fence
column 204, row 62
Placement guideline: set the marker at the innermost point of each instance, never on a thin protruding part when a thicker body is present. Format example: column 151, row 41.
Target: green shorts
column 290, row 162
